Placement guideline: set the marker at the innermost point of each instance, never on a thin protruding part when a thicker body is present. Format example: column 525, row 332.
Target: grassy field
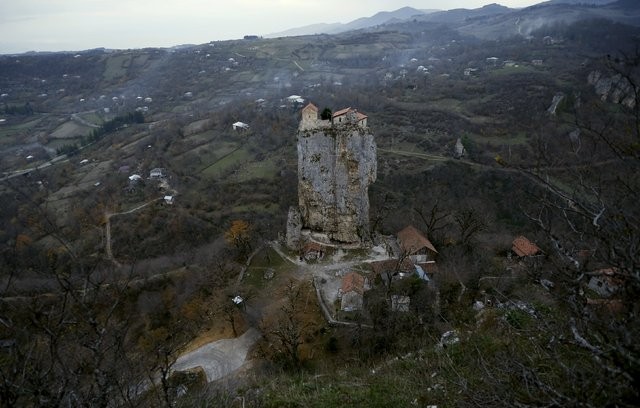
column 266, row 169
column 264, row 260
column 92, row 117
column 116, row 67
column 70, row 129
column 22, row 127
column 236, row 157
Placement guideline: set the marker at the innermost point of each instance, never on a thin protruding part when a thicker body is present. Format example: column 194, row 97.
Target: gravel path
column 219, row 358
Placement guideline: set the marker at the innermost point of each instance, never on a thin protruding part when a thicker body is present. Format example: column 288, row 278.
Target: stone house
column 312, row 251
column 605, row 282
column 310, row 118
column 310, row 113
column 349, row 115
column 392, row 268
column 352, row 291
column 414, row 244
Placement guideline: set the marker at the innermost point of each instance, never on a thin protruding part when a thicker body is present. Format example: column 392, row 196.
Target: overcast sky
column 57, row 25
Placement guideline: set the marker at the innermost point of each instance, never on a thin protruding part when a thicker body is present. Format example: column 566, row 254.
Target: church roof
column 310, row 106
column 359, row 116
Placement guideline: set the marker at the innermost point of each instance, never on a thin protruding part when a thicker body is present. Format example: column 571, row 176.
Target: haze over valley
column 429, row 206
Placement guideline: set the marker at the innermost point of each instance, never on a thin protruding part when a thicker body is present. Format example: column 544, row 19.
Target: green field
column 27, row 126
column 92, row 117
column 70, row 129
column 266, row 169
column 116, row 67
column 226, row 162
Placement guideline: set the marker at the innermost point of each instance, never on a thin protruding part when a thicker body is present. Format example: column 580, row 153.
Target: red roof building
column 352, row 290
column 413, row 242
column 347, row 115
column 522, row 247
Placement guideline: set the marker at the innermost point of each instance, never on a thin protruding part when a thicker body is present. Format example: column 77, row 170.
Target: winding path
column 107, row 220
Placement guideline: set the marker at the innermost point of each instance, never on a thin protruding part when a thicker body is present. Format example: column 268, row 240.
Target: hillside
column 145, row 199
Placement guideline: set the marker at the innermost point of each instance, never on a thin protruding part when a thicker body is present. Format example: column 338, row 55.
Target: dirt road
column 219, row 358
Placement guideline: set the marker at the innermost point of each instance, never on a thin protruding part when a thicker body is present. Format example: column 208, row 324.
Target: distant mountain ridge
column 492, row 21
column 457, row 15
column 580, row 2
column 380, row 18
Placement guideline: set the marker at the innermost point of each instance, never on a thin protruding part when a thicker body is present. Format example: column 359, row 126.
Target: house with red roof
column 349, row 115
column 352, row 291
column 313, row 251
column 522, row 247
column 416, row 245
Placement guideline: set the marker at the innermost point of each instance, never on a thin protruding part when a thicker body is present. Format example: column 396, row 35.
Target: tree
column 239, row 236
column 586, row 203
column 470, row 223
column 326, row 114
column 435, row 220
column 289, row 326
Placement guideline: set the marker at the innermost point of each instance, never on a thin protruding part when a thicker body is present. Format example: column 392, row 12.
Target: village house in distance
column 336, row 165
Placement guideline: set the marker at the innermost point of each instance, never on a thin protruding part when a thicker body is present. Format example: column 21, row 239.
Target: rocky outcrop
column 557, row 98
column 294, row 229
column 336, row 165
column 616, row 89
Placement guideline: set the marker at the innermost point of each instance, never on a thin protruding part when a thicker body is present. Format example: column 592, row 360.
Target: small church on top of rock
column 310, row 119
column 336, row 165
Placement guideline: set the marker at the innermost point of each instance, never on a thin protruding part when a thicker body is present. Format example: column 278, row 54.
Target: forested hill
column 141, row 220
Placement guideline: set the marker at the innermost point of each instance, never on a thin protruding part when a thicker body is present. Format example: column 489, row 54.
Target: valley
column 145, row 225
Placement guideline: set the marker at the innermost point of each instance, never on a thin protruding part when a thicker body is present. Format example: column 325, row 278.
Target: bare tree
column 289, row 326
column 470, row 223
column 435, row 219
column 587, row 205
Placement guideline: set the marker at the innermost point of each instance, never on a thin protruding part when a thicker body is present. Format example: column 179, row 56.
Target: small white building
column 459, row 149
column 240, row 126
column 295, row 99
column 470, row 71
column 157, row 173
column 168, row 199
column 135, row 178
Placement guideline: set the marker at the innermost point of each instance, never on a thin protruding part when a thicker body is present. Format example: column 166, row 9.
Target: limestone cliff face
column 336, row 165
